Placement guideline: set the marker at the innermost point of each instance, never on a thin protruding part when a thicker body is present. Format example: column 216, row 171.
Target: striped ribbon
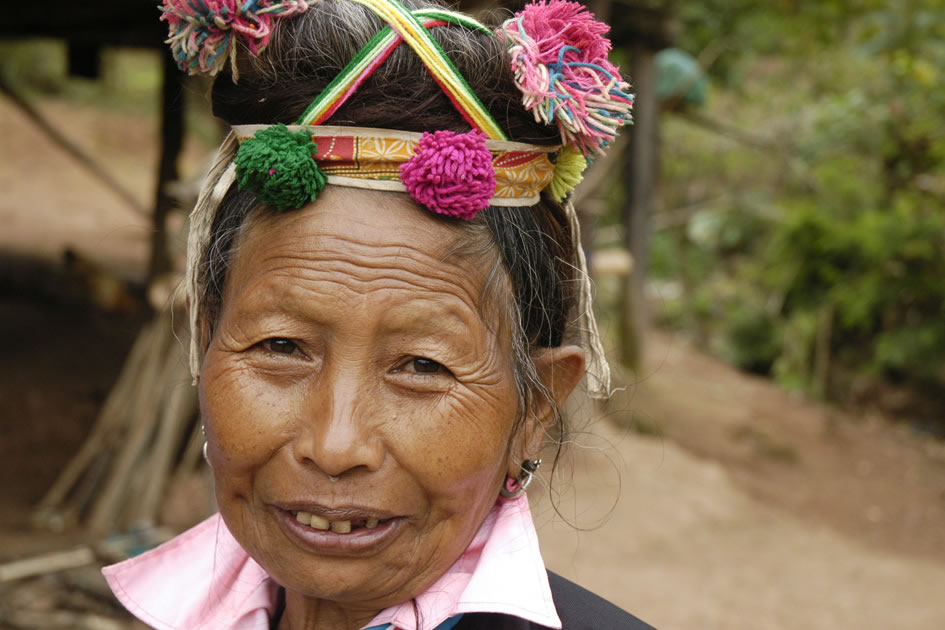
column 411, row 28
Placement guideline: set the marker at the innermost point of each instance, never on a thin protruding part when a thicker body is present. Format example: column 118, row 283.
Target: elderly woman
column 383, row 319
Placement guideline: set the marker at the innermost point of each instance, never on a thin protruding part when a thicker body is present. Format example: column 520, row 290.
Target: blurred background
column 768, row 246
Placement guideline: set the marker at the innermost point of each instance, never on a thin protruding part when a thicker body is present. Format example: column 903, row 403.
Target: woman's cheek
column 245, row 415
column 453, row 445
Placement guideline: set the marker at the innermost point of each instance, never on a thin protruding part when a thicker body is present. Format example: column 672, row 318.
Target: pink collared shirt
column 203, row 579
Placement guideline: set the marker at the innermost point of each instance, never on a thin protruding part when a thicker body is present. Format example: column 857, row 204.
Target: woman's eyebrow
column 427, row 317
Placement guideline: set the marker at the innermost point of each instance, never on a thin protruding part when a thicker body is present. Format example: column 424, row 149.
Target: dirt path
column 750, row 508
column 880, row 483
column 685, row 547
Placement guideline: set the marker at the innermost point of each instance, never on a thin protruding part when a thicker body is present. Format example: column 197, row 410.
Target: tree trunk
column 642, row 169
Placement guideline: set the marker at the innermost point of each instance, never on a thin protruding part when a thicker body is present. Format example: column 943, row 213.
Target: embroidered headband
column 510, row 173
column 558, row 54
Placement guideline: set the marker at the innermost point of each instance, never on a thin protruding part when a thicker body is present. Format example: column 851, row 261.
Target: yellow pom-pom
column 569, row 172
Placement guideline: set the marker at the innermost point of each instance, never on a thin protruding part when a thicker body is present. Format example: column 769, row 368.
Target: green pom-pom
column 278, row 166
column 569, row 172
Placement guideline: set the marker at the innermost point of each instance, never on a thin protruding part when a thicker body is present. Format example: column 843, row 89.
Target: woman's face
column 355, row 376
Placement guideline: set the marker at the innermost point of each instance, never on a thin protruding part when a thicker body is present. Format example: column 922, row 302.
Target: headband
column 558, row 55
column 507, row 173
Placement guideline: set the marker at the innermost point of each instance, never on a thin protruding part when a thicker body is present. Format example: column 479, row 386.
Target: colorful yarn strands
column 558, row 54
column 203, row 34
column 559, row 59
column 438, row 63
column 451, row 174
column 371, row 57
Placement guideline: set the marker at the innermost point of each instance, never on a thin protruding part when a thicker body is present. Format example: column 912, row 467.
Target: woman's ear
column 560, row 370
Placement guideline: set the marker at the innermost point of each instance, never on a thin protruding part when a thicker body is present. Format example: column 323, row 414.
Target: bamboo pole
column 110, row 416
column 46, row 563
column 141, row 427
column 173, row 424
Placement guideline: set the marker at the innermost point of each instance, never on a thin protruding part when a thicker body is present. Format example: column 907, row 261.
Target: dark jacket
column 578, row 608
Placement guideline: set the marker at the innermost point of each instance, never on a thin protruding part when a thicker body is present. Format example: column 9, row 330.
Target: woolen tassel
column 597, row 369
column 203, row 33
column 451, row 173
column 558, row 54
column 278, row 166
column 569, row 172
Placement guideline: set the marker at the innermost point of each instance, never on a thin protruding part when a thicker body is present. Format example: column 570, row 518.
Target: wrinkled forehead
column 381, row 238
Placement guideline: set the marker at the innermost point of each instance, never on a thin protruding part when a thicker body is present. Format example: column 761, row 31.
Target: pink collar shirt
column 203, row 579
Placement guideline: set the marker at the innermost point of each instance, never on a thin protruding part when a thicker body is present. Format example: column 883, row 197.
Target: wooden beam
column 172, row 140
column 634, row 23
column 72, row 149
column 85, row 60
column 107, row 22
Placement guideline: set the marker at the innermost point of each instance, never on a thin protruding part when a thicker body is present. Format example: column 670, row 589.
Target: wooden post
column 642, row 168
column 172, row 140
column 590, row 210
column 600, row 9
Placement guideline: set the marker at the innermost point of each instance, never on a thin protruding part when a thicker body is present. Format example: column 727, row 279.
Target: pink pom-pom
column 557, row 23
column 451, row 173
column 559, row 59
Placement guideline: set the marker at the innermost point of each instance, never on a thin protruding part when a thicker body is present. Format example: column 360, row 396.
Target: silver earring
column 515, row 487
column 203, row 430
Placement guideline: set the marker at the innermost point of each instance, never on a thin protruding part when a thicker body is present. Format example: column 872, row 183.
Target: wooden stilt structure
column 144, row 435
column 146, row 430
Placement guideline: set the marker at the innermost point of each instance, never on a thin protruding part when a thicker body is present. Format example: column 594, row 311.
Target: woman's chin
column 366, row 567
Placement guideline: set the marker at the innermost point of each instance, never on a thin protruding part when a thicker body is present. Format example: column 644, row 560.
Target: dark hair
column 533, row 248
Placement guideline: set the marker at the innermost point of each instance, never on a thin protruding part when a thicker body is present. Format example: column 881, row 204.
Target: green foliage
column 836, row 237
column 40, row 64
column 752, row 338
column 882, row 273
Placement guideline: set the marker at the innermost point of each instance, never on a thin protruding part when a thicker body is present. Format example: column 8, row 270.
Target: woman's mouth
column 339, row 527
column 340, row 533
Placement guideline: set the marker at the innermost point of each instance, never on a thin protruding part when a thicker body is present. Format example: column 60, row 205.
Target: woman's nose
column 337, row 433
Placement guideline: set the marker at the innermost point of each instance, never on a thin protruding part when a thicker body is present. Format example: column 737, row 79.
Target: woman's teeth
column 313, row 520
column 339, row 527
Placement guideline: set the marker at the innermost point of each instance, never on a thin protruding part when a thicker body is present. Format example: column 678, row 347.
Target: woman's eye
column 280, row 346
column 426, row 366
